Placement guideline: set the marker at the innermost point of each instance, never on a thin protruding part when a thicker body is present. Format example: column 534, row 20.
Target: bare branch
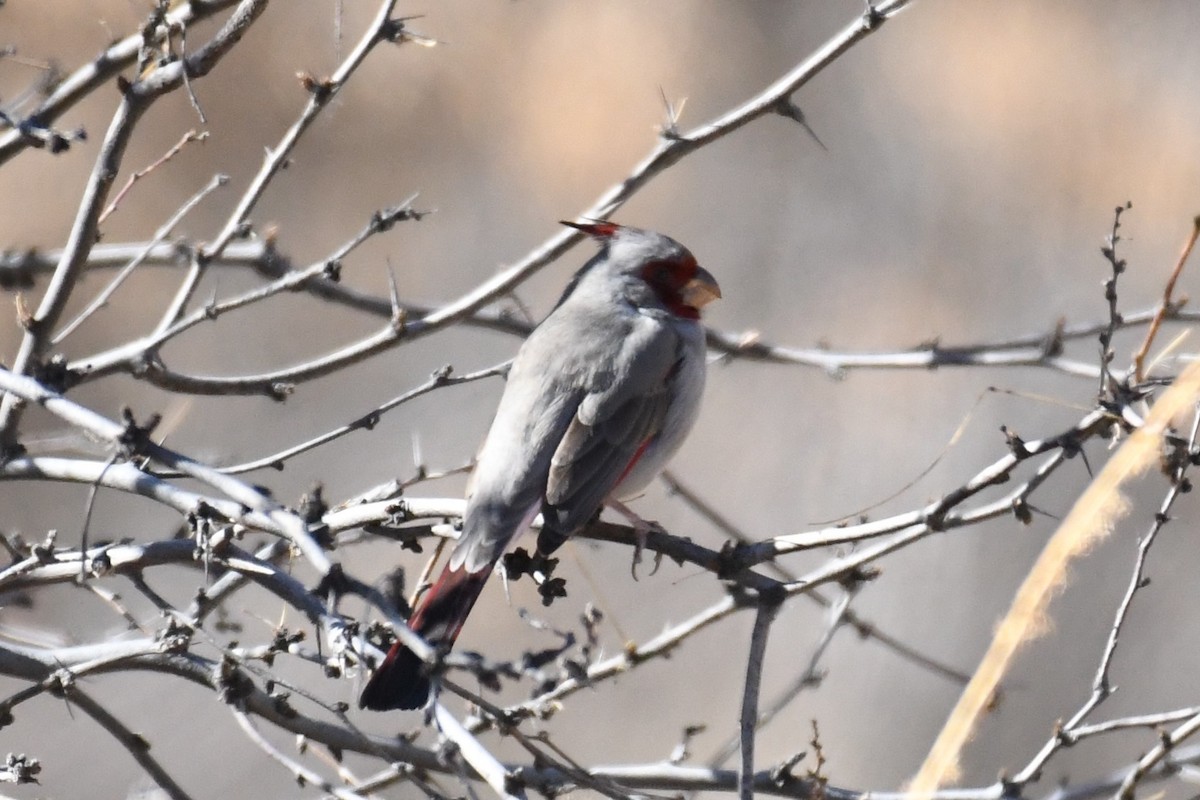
column 189, row 137
column 863, row 627
column 303, row 775
column 135, row 743
column 1155, row 757
column 136, row 100
column 754, row 665
column 1139, row 358
column 809, row 677
column 285, row 522
column 95, row 74
column 1091, row 518
column 1073, row 730
column 382, row 28
column 440, row 379
column 495, row 774
column 101, row 299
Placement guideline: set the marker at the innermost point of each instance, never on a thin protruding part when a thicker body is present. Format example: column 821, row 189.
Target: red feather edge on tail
column 402, row 680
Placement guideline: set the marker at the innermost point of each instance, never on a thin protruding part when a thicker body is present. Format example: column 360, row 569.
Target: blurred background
column 973, row 155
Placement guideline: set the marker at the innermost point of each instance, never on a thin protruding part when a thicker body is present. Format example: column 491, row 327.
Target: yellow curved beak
column 701, row 290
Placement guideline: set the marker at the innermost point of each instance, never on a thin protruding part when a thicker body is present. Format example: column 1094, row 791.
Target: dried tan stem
column 1090, row 520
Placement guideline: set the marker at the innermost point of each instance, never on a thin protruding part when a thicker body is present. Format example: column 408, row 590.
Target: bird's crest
column 600, row 229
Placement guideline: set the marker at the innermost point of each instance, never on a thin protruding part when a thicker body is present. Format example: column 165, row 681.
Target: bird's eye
column 660, row 274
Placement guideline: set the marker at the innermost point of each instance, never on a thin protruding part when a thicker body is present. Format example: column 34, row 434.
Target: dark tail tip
column 400, row 682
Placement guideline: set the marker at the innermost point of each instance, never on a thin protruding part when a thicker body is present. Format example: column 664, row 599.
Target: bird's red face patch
column 668, row 278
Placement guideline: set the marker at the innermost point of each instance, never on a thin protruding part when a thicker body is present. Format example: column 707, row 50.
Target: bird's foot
column 642, row 528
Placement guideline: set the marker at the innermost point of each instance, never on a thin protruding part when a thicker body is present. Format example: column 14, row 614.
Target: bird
column 599, row 396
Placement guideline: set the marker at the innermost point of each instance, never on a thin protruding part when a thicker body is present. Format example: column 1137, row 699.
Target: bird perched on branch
column 600, row 396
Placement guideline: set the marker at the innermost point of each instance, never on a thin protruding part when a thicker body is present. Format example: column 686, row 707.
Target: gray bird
column 600, row 396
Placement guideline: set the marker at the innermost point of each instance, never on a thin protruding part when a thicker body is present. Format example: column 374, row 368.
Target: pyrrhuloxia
column 600, row 395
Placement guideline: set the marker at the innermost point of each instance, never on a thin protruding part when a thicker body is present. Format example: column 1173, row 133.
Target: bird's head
column 663, row 265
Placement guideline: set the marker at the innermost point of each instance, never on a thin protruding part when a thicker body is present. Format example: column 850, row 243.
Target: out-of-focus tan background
column 975, row 152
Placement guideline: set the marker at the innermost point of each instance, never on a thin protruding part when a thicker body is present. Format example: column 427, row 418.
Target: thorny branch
column 33, row 129
column 20, row 268
column 136, row 100
column 277, row 383
column 1074, row 730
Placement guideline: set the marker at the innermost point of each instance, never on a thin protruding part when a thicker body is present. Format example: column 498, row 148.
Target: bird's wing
column 509, row 479
column 610, row 429
column 587, row 390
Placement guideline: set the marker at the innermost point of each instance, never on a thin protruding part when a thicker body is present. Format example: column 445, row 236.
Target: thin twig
column 441, row 378
column 134, row 743
column 320, row 95
column 101, row 299
column 863, row 627
column 1156, row 756
column 136, row 100
column 1117, row 266
column 97, row 73
column 1090, row 519
column 808, row 677
column 189, row 137
column 750, row 689
column 140, row 351
column 302, row 774
column 1139, row 357
column 1073, row 730
column 93, row 490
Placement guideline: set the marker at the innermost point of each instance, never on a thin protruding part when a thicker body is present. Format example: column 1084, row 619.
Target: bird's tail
column 402, row 681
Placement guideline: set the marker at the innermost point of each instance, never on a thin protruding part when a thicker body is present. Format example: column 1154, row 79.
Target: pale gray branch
column 134, row 743
column 98, row 72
